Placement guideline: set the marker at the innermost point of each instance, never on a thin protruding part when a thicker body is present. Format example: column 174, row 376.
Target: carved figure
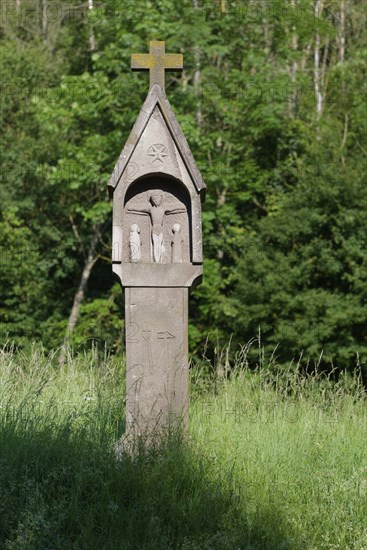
column 157, row 212
column 135, row 243
column 176, row 244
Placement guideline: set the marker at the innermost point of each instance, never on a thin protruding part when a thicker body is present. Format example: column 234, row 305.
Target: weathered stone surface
column 157, row 253
column 156, row 358
column 128, row 171
column 157, row 61
column 165, row 170
column 158, row 275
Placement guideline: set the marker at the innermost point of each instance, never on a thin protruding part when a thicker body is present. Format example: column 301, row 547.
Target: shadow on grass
column 61, row 489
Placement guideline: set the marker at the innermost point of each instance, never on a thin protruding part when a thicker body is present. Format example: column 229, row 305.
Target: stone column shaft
column 156, row 358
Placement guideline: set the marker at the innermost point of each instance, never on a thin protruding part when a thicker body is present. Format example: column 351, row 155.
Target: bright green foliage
column 303, row 277
column 19, row 263
column 284, row 219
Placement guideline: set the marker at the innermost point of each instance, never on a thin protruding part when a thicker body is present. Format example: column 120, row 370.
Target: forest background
column 272, row 102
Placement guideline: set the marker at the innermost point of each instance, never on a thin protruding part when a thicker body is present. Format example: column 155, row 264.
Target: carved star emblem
column 158, row 151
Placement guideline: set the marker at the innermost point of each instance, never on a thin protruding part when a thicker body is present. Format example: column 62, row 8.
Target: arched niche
column 157, row 212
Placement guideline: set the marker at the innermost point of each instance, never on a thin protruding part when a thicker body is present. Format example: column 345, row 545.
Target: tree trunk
column 317, row 73
column 292, row 97
column 197, row 77
column 305, row 54
column 92, row 38
column 222, row 196
column 341, row 59
column 266, row 28
column 324, row 65
column 44, row 21
column 342, row 32
column 220, row 203
column 80, row 293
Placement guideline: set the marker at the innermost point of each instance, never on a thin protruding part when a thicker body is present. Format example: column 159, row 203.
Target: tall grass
column 274, row 460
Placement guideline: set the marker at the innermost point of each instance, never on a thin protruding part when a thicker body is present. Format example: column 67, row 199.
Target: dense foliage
column 272, row 103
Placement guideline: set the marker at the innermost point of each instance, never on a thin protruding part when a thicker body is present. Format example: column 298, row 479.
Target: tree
column 271, row 101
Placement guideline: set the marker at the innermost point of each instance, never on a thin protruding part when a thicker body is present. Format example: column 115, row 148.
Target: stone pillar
column 156, row 358
column 157, row 257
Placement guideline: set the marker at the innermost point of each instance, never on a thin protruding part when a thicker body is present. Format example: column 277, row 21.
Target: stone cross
column 157, row 61
column 157, row 253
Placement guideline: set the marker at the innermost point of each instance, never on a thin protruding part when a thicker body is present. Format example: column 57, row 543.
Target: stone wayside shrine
column 157, row 252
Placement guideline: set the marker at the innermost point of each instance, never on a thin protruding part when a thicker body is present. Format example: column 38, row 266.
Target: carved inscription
column 131, row 330
column 156, row 365
column 165, row 335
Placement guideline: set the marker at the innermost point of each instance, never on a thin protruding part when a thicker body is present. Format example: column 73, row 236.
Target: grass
column 273, row 461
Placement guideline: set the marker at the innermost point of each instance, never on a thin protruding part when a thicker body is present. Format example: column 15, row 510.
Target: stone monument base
column 156, row 360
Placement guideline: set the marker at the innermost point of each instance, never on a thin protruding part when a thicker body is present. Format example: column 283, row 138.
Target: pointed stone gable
column 155, row 108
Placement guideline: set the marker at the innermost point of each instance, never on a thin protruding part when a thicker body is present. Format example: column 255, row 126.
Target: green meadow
column 271, row 461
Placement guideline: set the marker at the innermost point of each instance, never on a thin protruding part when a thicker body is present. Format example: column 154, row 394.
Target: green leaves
column 284, row 220
column 305, row 291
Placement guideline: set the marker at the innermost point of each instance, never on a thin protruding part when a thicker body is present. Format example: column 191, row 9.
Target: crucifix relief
column 155, row 205
column 158, row 252
column 157, row 210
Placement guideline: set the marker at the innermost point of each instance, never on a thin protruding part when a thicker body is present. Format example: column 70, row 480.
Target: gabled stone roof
column 155, row 97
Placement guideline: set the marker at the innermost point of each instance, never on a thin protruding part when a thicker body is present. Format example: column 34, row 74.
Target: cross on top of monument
column 157, row 61
column 157, row 192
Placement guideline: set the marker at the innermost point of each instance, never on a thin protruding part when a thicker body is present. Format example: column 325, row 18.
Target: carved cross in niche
column 157, row 61
column 157, row 211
